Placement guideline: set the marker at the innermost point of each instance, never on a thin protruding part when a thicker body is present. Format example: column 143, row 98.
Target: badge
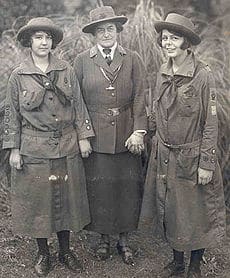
column 213, row 109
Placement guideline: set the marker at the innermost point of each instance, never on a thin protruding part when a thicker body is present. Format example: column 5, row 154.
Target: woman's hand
column 204, row 176
column 85, row 147
column 135, row 143
column 15, row 159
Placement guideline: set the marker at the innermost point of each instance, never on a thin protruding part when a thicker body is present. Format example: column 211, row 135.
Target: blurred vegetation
column 139, row 34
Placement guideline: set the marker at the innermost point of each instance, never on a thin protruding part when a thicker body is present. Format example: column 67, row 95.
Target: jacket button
column 113, row 94
column 86, row 121
column 88, row 127
column 112, row 123
column 166, row 161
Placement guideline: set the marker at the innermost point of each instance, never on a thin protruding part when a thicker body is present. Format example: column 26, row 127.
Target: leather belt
column 54, row 134
column 108, row 111
column 180, row 146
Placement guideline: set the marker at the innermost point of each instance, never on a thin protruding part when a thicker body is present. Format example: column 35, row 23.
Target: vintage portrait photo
column 115, row 138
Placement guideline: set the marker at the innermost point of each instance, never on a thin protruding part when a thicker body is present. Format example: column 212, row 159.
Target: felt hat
column 39, row 24
column 100, row 15
column 180, row 24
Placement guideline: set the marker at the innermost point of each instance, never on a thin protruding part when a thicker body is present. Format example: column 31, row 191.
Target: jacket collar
column 94, row 50
column 28, row 67
column 98, row 59
column 187, row 68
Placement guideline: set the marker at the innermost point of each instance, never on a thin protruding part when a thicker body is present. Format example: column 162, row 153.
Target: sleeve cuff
column 208, row 162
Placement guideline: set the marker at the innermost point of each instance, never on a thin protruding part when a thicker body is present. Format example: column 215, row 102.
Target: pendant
column 110, row 87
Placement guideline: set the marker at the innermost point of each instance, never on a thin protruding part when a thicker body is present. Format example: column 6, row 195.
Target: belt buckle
column 114, row 111
column 57, row 134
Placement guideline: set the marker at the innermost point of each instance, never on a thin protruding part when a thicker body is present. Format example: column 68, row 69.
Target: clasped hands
column 85, row 148
column 135, row 143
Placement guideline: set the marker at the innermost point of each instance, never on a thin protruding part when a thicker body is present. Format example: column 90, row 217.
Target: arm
column 208, row 157
column 135, row 143
column 82, row 119
column 12, row 123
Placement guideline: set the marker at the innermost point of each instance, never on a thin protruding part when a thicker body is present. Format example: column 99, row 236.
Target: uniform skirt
column 114, row 187
column 49, row 195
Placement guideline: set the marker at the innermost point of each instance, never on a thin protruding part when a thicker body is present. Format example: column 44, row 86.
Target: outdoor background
column 212, row 18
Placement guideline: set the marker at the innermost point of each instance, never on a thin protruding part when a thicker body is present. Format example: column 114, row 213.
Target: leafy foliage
column 12, row 9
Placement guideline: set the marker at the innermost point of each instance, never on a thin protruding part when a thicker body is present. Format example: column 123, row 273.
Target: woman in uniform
column 112, row 82
column 183, row 165
column 46, row 122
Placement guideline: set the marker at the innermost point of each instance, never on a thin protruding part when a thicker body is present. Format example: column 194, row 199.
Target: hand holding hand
column 204, row 176
column 16, row 159
column 85, row 147
column 135, row 143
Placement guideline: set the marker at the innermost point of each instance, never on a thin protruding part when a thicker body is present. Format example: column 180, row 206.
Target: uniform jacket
column 184, row 116
column 36, row 121
column 127, row 74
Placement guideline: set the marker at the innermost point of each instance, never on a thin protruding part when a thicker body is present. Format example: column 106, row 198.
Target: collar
column 187, row 68
column 113, row 48
column 94, row 50
column 28, row 67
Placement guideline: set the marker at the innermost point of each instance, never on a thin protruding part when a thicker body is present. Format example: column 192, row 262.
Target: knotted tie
column 107, row 52
column 169, row 88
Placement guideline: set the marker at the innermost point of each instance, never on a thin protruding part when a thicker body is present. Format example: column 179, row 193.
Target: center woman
column 111, row 79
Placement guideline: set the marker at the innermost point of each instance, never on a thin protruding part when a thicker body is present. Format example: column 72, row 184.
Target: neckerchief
column 49, row 83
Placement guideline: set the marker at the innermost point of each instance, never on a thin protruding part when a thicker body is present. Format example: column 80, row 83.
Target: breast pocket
column 30, row 100
column 188, row 100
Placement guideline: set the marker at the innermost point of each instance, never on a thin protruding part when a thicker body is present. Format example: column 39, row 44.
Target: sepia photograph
column 115, row 138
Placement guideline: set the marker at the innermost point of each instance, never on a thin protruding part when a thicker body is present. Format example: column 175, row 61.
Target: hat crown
column 180, row 20
column 40, row 21
column 101, row 13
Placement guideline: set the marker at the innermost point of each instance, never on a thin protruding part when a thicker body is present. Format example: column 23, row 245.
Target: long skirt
column 114, row 186
column 49, row 195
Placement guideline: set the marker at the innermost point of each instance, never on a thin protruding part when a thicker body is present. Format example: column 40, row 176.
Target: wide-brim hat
column 39, row 24
column 100, row 15
column 181, row 24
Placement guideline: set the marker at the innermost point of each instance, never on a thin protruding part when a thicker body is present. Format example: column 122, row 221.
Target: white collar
column 113, row 48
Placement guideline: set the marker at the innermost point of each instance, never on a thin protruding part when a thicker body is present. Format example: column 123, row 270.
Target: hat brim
column 25, row 32
column 90, row 27
column 190, row 34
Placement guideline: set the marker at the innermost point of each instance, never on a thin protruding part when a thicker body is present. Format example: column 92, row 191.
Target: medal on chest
column 110, row 78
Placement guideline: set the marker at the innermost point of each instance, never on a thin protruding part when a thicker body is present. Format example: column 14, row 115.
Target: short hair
column 185, row 45
column 118, row 25
column 27, row 39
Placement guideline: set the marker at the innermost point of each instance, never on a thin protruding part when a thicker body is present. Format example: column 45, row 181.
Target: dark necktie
column 107, row 52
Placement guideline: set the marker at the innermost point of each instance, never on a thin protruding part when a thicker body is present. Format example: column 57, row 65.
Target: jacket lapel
column 117, row 61
column 98, row 59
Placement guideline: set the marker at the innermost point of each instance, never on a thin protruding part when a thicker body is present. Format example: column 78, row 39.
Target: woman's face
column 172, row 44
column 41, row 44
column 106, row 34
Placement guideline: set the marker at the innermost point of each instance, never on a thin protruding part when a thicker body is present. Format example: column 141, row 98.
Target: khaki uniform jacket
column 33, row 108
column 127, row 74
